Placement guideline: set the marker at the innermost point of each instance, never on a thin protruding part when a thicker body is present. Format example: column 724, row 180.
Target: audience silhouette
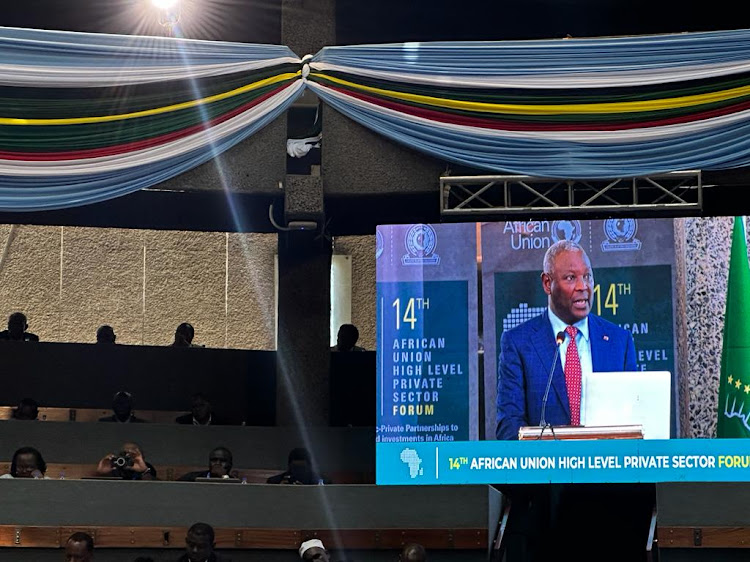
column 105, row 334
column 17, row 329
column 347, row 338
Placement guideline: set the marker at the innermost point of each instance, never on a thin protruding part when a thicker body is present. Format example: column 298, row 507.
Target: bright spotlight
column 164, row 4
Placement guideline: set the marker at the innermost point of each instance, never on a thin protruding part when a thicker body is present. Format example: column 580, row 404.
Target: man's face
column 201, row 409
column 25, row 465
column 122, row 406
column 27, row 412
column 219, row 462
column 198, row 547
column 345, row 339
column 300, row 471
column 570, row 286
column 315, row 554
column 77, row 552
column 16, row 325
column 131, row 450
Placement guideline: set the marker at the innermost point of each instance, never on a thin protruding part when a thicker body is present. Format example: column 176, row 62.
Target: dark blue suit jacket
column 526, row 354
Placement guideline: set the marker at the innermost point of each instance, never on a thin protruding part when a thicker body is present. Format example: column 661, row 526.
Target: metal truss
column 678, row 192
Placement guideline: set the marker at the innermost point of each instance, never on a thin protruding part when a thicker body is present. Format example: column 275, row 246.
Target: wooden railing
column 703, row 537
column 93, row 414
column 78, row 471
column 21, row 536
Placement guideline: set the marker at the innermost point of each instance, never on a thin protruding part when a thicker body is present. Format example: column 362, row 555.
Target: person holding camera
column 128, row 464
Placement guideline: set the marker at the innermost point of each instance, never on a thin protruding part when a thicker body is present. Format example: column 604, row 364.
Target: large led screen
column 455, row 408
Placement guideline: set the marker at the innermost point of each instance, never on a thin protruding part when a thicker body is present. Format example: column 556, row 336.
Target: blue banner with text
column 569, row 461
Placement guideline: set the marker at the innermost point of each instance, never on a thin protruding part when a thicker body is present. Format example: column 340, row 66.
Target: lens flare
column 164, row 4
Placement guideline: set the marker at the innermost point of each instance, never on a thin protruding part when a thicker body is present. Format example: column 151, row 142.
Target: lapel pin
column 606, row 338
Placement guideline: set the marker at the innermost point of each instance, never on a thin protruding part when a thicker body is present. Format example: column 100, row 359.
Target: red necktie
column 573, row 376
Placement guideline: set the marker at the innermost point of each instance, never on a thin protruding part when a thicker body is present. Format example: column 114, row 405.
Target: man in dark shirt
column 17, row 326
column 27, row 409
column 299, row 470
column 199, row 545
column 219, row 466
column 122, row 406
column 201, row 412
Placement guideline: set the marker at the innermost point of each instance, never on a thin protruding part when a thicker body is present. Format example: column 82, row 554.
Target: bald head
column 413, row 552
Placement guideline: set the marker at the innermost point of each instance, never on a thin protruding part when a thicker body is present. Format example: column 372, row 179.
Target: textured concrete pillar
column 308, row 25
column 303, row 338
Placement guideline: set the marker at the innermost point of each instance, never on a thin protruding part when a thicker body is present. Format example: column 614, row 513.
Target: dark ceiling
column 386, row 21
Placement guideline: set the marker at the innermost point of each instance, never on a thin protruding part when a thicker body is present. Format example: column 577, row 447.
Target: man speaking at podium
column 528, row 362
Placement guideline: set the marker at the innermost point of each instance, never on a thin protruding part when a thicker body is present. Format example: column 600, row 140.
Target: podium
column 554, row 520
column 578, row 432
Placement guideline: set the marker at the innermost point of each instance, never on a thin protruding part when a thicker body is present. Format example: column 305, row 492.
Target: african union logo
column 379, row 244
column 620, row 235
column 566, row 230
column 410, row 458
column 420, row 242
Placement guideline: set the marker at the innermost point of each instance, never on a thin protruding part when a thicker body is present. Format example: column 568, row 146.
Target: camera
column 122, row 460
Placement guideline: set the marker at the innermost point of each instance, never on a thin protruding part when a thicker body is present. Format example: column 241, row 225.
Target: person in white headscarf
column 313, row 551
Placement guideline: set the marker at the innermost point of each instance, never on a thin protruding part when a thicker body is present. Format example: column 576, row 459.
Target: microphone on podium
column 559, row 338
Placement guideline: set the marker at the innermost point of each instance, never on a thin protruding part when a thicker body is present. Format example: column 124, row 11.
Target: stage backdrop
column 633, row 262
column 427, row 333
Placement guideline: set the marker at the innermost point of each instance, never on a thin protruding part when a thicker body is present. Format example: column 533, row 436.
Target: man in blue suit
column 527, row 351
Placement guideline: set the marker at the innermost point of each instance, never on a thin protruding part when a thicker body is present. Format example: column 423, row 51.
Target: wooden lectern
column 570, row 432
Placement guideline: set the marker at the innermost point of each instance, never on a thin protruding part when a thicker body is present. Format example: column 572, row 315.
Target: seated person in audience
column 201, row 412
column 27, row 409
column 183, row 336
column 199, row 545
column 219, row 466
column 299, row 470
column 313, row 551
column 27, row 462
column 105, row 334
column 17, row 326
column 347, row 338
column 79, row 548
column 413, row 552
column 128, row 464
column 122, row 406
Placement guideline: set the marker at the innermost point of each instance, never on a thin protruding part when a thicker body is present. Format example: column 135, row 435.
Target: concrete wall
column 69, row 281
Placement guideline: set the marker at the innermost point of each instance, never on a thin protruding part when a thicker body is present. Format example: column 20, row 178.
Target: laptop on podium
column 628, row 398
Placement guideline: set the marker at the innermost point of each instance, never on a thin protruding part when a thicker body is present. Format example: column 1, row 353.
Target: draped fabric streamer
column 569, row 108
column 88, row 117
